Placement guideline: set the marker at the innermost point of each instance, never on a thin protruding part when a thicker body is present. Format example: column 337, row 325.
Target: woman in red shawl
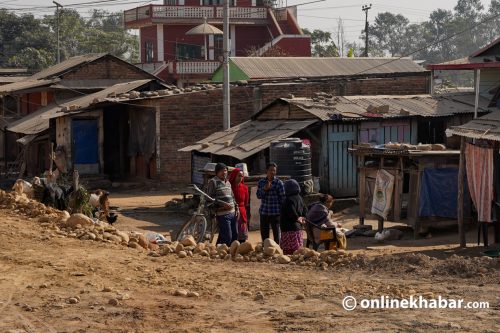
column 240, row 191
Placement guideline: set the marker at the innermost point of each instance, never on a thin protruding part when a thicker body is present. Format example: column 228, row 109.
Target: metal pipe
column 58, row 47
column 226, row 116
column 477, row 80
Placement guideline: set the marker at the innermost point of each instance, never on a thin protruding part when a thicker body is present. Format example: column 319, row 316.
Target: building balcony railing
column 198, row 13
column 196, row 67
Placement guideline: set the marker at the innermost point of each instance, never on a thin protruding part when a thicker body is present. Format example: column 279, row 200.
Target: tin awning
column 248, row 138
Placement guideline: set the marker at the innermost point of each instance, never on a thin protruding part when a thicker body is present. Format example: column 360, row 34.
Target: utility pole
column 366, row 8
column 57, row 14
column 226, row 116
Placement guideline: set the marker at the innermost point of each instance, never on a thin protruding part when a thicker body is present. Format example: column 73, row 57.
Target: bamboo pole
column 460, row 197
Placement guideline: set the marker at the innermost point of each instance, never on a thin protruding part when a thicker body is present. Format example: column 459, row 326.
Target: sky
column 321, row 15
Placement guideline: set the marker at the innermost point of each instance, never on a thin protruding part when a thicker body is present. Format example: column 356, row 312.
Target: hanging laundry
column 479, row 165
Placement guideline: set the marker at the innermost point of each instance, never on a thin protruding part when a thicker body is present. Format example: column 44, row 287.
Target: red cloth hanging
column 479, row 165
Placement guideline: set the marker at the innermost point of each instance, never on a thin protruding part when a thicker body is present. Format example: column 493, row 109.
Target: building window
column 149, row 52
column 187, row 51
column 218, row 3
column 218, row 47
column 170, row 2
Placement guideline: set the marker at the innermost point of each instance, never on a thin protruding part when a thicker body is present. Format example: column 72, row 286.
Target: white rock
column 269, row 251
column 123, row 235
column 193, row 294
column 268, row 242
column 182, row 254
column 78, row 219
column 72, row 300
column 179, row 248
column 180, row 292
column 284, row 259
column 234, row 248
column 245, row 248
column 259, row 296
column 188, row 241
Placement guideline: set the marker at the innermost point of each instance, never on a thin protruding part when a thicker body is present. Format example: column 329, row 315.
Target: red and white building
column 257, row 28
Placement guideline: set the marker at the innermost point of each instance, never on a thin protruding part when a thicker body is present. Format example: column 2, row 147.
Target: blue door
column 85, row 145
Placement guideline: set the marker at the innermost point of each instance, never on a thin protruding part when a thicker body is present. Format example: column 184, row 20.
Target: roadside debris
column 61, row 224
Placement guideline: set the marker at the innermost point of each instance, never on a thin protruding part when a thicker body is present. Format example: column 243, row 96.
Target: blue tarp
column 438, row 193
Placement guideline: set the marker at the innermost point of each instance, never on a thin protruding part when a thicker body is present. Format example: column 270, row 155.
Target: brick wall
column 189, row 117
column 404, row 85
column 106, row 68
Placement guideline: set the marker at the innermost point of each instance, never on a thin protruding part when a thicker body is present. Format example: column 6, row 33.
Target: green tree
column 493, row 10
column 322, row 44
column 387, row 34
column 33, row 59
column 20, row 36
column 468, row 13
column 104, row 32
column 30, row 42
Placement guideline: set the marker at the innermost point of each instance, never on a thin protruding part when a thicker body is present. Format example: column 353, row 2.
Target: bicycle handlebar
column 197, row 189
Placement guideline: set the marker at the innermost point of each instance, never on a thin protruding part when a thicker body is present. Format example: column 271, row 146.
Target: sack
column 382, row 194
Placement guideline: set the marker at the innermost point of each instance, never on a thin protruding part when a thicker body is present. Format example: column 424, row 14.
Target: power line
column 433, row 43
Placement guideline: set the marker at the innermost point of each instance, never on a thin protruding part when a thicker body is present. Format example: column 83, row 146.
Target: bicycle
column 197, row 225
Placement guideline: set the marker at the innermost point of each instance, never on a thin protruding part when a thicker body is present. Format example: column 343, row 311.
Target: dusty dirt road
column 120, row 289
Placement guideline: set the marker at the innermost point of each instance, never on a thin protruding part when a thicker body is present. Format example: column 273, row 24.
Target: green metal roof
column 235, row 73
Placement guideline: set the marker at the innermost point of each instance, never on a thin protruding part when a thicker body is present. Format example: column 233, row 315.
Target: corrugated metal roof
column 39, row 121
column 296, row 67
column 486, row 127
column 66, row 65
column 13, row 71
column 485, row 48
column 382, row 106
column 87, row 84
column 248, row 138
column 11, row 79
column 24, row 85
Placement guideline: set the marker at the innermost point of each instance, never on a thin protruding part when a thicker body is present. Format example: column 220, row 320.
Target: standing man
column 271, row 192
column 225, row 207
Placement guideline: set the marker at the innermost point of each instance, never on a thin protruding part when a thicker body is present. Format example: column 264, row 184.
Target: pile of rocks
column 268, row 251
column 80, row 226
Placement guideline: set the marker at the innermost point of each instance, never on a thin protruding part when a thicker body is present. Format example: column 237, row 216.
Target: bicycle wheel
column 214, row 228
column 195, row 227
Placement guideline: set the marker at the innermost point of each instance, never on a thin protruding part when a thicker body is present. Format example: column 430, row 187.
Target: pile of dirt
column 62, row 224
column 21, row 204
column 421, row 264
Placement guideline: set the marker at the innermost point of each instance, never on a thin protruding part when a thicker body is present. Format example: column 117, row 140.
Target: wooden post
column 477, row 80
column 362, row 190
column 431, row 84
column 76, row 177
column 398, row 190
column 460, row 196
column 51, row 157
